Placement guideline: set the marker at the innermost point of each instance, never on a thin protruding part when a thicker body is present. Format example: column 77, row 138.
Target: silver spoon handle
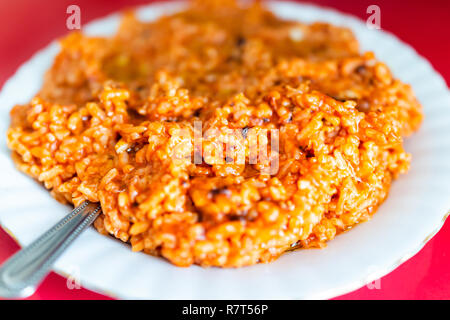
column 23, row 272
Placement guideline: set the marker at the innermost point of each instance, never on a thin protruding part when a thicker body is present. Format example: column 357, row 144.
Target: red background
column 26, row 26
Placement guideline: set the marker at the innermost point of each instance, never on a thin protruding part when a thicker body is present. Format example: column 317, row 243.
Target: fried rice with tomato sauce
column 105, row 125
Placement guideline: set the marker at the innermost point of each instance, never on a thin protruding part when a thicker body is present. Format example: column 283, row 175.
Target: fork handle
column 24, row 271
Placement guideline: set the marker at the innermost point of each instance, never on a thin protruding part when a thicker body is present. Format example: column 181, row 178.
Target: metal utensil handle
column 23, row 272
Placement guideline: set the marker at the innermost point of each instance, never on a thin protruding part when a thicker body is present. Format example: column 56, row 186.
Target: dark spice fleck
column 197, row 112
column 310, row 154
column 244, row 132
column 289, row 119
column 240, row 41
column 338, row 98
column 224, row 191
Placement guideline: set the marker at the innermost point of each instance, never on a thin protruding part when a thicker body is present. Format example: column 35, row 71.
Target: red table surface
column 26, row 26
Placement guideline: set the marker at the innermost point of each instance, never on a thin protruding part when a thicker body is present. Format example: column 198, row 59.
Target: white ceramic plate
column 414, row 211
